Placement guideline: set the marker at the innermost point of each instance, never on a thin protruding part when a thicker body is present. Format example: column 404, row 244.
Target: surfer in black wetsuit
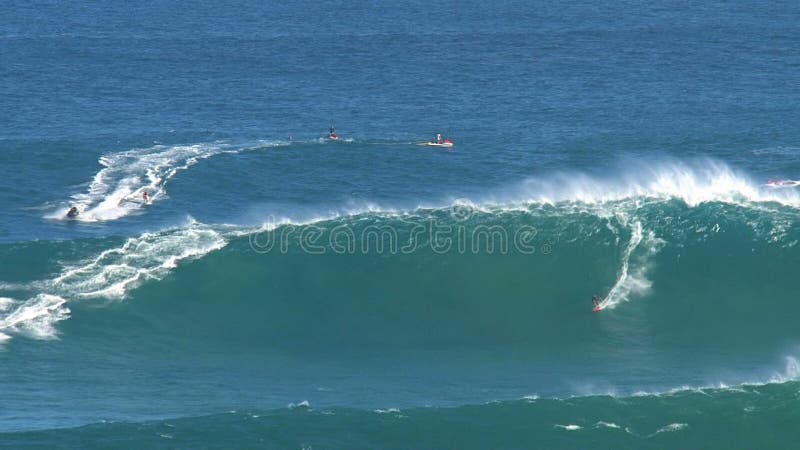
column 596, row 301
column 73, row 212
column 146, row 197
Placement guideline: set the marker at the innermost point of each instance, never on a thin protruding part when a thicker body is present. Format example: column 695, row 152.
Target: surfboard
column 782, row 183
column 434, row 144
column 135, row 201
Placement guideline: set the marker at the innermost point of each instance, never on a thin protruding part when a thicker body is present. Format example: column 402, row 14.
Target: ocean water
column 282, row 290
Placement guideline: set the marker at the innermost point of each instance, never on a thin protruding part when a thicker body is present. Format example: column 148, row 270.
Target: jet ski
column 332, row 133
column 445, row 143
column 439, row 142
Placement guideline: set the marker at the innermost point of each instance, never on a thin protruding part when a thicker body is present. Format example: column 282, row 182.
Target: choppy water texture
column 281, row 290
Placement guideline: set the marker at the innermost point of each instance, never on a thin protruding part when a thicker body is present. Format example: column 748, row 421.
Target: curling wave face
column 522, row 274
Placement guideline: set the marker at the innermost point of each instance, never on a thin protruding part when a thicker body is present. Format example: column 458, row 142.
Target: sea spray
column 694, row 182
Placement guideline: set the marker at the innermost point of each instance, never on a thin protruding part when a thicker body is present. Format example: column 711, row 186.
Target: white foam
column 791, row 371
column 117, row 189
column 601, row 424
column 114, row 272
column 709, row 389
column 694, row 183
column 303, row 404
column 569, row 427
column 5, row 303
column 35, row 318
column 632, row 282
column 111, row 275
column 671, row 428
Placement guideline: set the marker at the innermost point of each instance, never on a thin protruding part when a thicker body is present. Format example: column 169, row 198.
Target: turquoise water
column 706, row 419
column 286, row 291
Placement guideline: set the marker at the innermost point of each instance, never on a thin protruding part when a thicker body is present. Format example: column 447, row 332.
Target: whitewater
column 637, row 226
column 283, row 290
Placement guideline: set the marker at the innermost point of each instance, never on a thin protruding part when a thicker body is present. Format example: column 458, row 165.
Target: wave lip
column 693, row 182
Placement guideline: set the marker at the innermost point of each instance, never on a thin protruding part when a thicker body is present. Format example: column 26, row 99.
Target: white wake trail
column 117, row 190
column 632, row 281
column 111, row 274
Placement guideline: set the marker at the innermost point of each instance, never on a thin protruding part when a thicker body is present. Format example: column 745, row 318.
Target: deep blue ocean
column 284, row 290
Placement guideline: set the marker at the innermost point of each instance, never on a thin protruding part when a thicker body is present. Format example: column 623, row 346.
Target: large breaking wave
column 692, row 260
